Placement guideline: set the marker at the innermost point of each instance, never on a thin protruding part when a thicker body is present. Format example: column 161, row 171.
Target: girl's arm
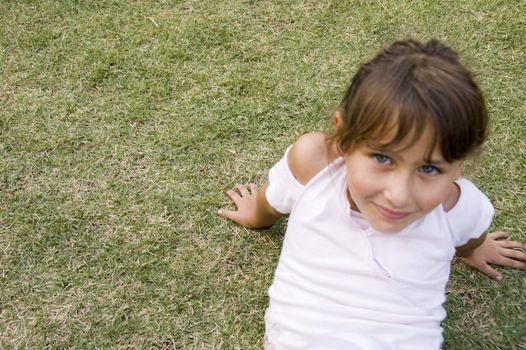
column 491, row 249
column 309, row 154
column 253, row 209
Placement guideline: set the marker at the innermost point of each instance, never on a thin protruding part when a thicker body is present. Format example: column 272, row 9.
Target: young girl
column 378, row 209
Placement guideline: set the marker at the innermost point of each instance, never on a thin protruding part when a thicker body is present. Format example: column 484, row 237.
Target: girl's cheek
column 368, row 187
column 431, row 197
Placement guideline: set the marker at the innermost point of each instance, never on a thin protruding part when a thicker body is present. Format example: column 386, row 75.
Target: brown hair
column 410, row 86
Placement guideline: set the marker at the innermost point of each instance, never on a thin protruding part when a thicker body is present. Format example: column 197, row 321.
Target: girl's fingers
column 511, row 245
column 227, row 214
column 514, row 254
column 242, row 190
column 234, row 196
column 512, row 262
column 499, row 235
column 488, row 270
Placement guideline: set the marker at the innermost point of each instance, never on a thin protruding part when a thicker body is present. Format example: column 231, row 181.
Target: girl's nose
column 398, row 191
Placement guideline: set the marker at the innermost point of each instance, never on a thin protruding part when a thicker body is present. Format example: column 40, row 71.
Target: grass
column 123, row 122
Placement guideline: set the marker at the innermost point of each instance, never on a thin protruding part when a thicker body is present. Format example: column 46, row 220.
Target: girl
column 378, row 209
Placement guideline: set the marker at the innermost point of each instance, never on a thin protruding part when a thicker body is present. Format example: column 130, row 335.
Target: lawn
column 122, row 123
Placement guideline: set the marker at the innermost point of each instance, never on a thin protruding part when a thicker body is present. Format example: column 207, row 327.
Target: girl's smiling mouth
column 391, row 215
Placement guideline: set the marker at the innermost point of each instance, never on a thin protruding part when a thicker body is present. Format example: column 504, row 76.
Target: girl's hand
column 245, row 201
column 253, row 210
column 498, row 252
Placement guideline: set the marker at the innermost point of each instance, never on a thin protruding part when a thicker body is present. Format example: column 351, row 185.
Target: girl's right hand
column 244, row 199
column 252, row 207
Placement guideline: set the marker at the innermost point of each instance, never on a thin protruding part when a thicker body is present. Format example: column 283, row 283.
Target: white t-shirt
column 337, row 275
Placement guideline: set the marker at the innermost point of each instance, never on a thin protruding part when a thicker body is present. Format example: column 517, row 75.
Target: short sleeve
column 471, row 216
column 283, row 189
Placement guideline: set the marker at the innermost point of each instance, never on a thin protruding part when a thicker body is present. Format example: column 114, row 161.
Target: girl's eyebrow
column 436, row 161
column 385, row 149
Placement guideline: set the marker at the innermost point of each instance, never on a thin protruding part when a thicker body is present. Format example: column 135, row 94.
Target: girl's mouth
column 391, row 215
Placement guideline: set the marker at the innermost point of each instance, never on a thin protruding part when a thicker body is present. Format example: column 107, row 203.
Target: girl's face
column 394, row 188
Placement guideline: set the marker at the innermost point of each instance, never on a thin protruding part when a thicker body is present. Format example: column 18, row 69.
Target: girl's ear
column 337, row 120
column 337, row 123
column 459, row 170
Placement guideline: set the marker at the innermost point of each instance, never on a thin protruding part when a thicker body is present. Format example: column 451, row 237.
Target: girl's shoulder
column 310, row 154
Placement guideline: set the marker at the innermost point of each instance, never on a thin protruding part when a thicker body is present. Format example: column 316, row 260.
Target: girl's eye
column 429, row 170
column 382, row 159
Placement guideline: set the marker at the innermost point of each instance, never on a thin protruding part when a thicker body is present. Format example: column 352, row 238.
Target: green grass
column 123, row 122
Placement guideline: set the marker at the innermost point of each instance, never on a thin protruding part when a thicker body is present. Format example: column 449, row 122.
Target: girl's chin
column 390, row 228
column 389, row 231
column 390, row 225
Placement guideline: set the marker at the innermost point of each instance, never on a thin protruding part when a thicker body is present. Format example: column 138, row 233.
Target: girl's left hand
column 496, row 251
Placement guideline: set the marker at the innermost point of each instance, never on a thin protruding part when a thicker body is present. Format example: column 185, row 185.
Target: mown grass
column 123, row 122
